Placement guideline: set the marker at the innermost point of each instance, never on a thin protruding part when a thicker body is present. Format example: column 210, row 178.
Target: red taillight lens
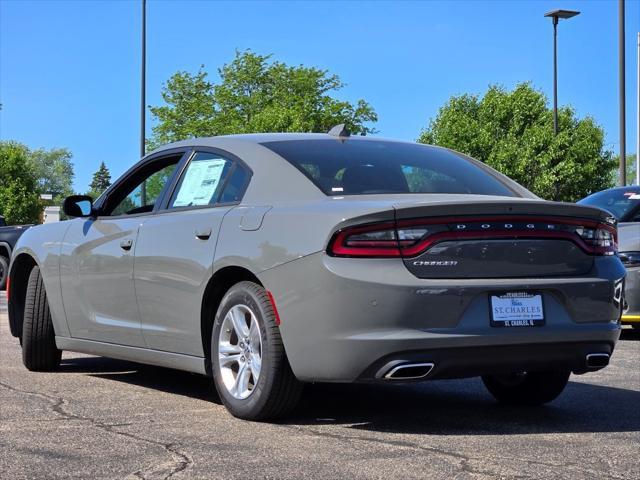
column 409, row 238
column 600, row 239
column 378, row 240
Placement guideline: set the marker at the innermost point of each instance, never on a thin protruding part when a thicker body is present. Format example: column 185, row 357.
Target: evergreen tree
column 101, row 181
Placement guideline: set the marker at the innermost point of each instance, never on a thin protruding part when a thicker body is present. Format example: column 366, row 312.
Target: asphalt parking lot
column 102, row 418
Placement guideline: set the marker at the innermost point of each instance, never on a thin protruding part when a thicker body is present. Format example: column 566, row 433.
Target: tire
column 527, row 388
column 39, row 352
column 276, row 391
column 4, row 271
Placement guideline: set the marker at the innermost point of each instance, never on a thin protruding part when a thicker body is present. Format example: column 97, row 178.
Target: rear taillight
column 378, row 240
column 600, row 239
column 409, row 238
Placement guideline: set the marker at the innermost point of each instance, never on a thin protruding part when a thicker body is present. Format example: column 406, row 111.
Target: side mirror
column 78, row 206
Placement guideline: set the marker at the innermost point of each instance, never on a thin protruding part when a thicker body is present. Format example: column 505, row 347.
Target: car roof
column 627, row 188
column 253, row 149
column 261, row 138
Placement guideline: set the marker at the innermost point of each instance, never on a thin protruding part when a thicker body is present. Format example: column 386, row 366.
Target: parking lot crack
column 465, row 461
column 179, row 462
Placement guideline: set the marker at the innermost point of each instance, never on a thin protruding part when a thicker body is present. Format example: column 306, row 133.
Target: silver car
column 624, row 204
column 266, row 261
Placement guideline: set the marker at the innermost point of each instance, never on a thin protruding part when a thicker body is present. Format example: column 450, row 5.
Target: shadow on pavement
column 630, row 334
column 463, row 407
column 157, row 378
column 444, row 407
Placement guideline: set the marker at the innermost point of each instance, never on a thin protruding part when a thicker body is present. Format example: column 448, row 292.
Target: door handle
column 126, row 244
column 203, row 233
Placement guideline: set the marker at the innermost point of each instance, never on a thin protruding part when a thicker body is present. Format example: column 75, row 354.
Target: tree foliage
column 631, row 169
column 156, row 182
column 512, row 131
column 53, row 170
column 19, row 197
column 100, row 182
column 255, row 94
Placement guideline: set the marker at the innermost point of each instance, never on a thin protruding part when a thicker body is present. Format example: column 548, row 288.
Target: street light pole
column 555, row 75
column 143, row 108
column 623, row 113
column 556, row 15
column 638, row 118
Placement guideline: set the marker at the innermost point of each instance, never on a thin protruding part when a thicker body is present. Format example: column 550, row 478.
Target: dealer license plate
column 516, row 309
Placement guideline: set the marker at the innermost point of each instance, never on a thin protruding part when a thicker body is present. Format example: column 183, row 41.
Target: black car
column 8, row 238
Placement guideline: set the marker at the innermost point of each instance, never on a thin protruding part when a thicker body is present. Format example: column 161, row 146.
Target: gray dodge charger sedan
column 266, row 261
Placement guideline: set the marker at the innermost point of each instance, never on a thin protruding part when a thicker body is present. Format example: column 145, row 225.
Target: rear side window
column 209, row 179
column 201, row 182
column 235, row 185
column 361, row 167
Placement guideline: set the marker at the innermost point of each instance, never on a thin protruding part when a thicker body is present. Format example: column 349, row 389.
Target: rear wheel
column 527, row 388
column 39, row 351
column 250, row 368
column 4, row 271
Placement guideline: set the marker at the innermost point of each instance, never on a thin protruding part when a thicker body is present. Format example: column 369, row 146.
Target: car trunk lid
column 496, row 238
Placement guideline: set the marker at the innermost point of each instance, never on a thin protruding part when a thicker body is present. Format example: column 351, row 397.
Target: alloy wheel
column 240, row 351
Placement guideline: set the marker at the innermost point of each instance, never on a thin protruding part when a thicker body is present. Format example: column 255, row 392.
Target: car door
column 97, row 256
column 175, row 250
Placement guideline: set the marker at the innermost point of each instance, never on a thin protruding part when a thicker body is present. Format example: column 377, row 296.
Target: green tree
column 19, row 198
column 631, row 169
column 100, row 182
column 512, row 131
column 53, row 170
column 156, row 183
column 255, row 94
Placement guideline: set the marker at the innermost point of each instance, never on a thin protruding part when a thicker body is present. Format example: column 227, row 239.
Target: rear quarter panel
column 288, row 231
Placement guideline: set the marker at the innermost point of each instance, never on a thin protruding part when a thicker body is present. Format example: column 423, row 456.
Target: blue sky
column 69, row 70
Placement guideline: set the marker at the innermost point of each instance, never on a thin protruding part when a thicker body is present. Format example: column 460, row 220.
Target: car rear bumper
column 463, row 362
column 344, row 319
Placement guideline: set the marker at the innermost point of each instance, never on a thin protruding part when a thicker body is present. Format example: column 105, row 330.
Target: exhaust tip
column 409, row 371
column 597, row 360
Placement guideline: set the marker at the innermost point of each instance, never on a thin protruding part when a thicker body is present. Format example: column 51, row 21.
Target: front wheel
column 39, row 351
column 250, row 368
column 527, row 388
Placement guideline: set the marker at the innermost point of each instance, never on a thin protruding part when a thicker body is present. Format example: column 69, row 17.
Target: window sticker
column 200, row 182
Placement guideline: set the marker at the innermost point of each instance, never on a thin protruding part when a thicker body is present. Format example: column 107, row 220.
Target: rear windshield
column 357, row 167
column 619, row 202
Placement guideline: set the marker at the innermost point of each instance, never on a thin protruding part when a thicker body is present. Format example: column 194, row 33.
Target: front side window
column 140, row 192
column 361, row 167
column 144, row 196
